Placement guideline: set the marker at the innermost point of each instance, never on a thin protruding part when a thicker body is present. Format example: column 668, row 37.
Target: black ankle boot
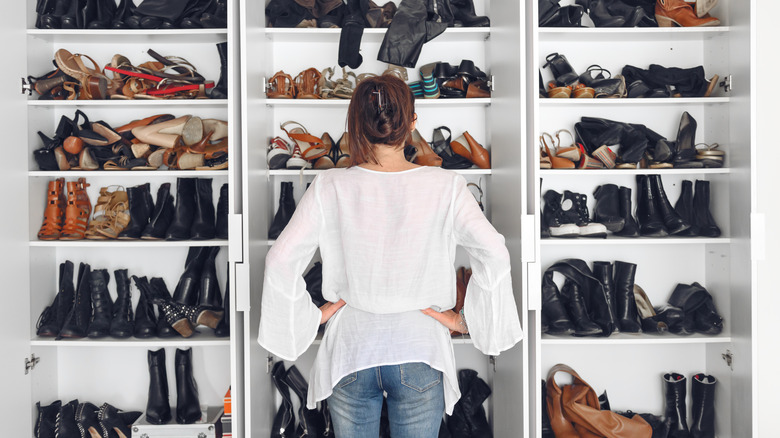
column 210, row 294
column 559, row 223
column 157, row 288
column 203, row 226
column 102, row 306
column 309, row 420
column 51, row 13
column 630, row 227
column 66, row 426
column 675, row 405
column 607, row 210
column 634, row 15
column 77, row 320
column 672, row 221
column 88, row 419
column 557, row 319
column 573, row 297
column 220, row 91
column 222, row 213
column 124, row 11
column 105, row 10
column 190, row 17
column 187, row 289
column 703, row 406
column 161, row 216
column 700, row 312
column 47, row 419
column 158, row 409
column 52, row 317
column 141, row 208
column 603, row 272
column 702, row 217
column 684, row 208
column 122, row 323
column 223, row 328
column 601, row 16
column 145, row 325
column 587, row 228
column 627, row 315
column 285, row 211
column 216, row 19
column 187, row 403
column 114, row 422
column 463, row 11
column 474, row 392
column 153, row 14
column 184, row 213
column 284, row 420
column 650, row 222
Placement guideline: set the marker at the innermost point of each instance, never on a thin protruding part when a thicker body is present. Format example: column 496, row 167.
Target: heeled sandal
column 556, row 92
column 326, row 84
column 307, row 84
column 544, row 159
column 327, row 161
column 571, row 152
column 557, row 162
column 344, row 87
column 93, row 83
column 425, row 155
column 311, row 146
column 77, row 211
column 104, row 215
column 281, row 86
column 341, row 155
column 709, row 156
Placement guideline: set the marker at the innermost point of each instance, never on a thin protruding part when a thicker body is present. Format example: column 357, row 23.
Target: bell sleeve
column 288, row 318
column 490, row 309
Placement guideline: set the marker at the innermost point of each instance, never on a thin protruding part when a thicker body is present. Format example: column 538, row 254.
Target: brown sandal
column 307, row 84
column 55, row 211
column 94, row 84
column 281, row 86
column 77, row 211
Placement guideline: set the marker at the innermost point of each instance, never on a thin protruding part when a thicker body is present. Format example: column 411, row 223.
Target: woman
column 387, row 231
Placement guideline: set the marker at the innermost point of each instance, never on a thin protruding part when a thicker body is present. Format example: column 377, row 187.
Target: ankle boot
column 285, row 211
column 223, row 328
column 222, row 213
column 669, row 13
column 203, row 227
column 684, row 208
column 158, row 409
column 145, row 325
column 54, row 214
column 141, row 208
column 630, row 227
column 53, row 317
column 187, row 289
column 284, row 420
column 47, row 419
column 88, row 419
column 309, row 420
column 675, row 405
column 184, row 213
column 210, row 294
column 184, row 318
column 152, row 14
column 77, row 321
column 187, row 403
column 650, row 222
column 190, row 17
column 161, row 216
column 702, row 217
column 474, row 392
column 699, row 308
column 574, row 299
column 65, row 425
column 553, row 309
column 105, row 10
column 157, row 288
column 607, row 210
column 70, row 20
column 603, row 272
column 114, row 422
column 703, row 406
column 598, row 12
column 672, row 221
column 627, row 316
column 122, row 322
column 124, row 11
column 100, row 324
column 220, row 91
column 216, row 19
column 464, row 12
column 50, row 14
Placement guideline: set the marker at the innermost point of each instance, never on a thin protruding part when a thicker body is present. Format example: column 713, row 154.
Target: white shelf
column 638, row 339
column 205, row 338
column 216, row 103
column 369, row 35
column 622, row 34
column 615, row 172
column 305, row 172
column 128, row 173
column 629, row 241
column 125, row 36
column 345, row 102
column 457, row 340
column 672, row 101
column 86, row 243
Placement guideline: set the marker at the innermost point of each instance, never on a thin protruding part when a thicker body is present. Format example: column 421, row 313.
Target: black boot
column 115, row 422
column 105, row 10
column 222, row 213
column 627, row 315
column 702, row 217
column 203, row 227
column 672, row 221
column 141, row 208
column 601, row 16
column 184, row 318
column 703, row 406
column 700, row 312
column 675, row 405
column 77, row 321
column 187, row 403
column 587, row 228
column 552, row 308
column 189, row 283
column 190, row 17
column 124, row 11
column 52, row 317
column 220, row 91
column 474, row 392
column 88, row 419
column 159, row 289
column 47, row 419
column 217, row 19
column 154, row 14
column 309, row 420
column 285, row 211
column 603, row 272
column 559, row 222
column 66, row 426
column 87, row 13
column 464, row 12
column 51, row 13
column 284, row 420
column 161, row 216
column 223, row 328
column 102, row 306
column 145, row 325
column 607, row 210
column 122, row 323
column 70, row 20
column 684, row 208
column 158, row 409
column 572, row 295
column 184, row 213
column 650, row 222
column 210, row 294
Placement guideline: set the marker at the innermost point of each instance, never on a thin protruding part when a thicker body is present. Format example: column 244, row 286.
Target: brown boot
column 77, row 212
column 678, row 12
column 54, row 212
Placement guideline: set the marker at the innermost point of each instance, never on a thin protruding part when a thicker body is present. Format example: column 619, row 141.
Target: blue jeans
column 415, row 401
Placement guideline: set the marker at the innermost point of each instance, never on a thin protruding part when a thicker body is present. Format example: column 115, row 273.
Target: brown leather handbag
column 575, row 413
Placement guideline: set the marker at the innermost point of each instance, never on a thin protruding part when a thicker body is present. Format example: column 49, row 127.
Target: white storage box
column 209, row 426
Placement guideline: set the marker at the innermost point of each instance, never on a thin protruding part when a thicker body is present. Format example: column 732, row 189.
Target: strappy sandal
column 397, row 71
column 94, row 84
column 556, row 92
column 307, row 84
column 363, row 76
column 77, row 211
column 709, row 155
column 327, row 161
column 341, row 155
column 311, row 146
column 557, row 162
column 327, row 84
column 281, row 86
column 571, row 152
column 344, row 87
column 544, row 159
column 104, row 215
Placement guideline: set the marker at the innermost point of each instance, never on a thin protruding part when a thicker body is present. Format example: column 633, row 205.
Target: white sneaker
column 278, row 153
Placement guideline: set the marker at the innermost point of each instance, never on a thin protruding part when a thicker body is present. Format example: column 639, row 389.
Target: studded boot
column 102, row 306
column 114, row 422
column 47, row 419
column 122, row 322
column 65, row 425
column 159, row 289
column 87, row 419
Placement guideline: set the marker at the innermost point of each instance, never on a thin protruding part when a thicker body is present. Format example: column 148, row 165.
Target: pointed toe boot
column 284, row 420
column 145, row 324
column 66, row 425
column 159, row 289
column 158, row 409
column 88, row 420
column 187, row 403
column 162, row 216
column 552, row 307
column 220, row 91
column 210, row 295
column 672, row 221
column 141, row 209
column 187, row 289
column 650, row 222
column 309, row 420
column 222, row 213
column 46, row 420
column 184, row 212
column 573, row 296
column 603, row 272
column 102, row 306
column 122, row 322
column 77, row 320
column 203, row 225
column 627, row 314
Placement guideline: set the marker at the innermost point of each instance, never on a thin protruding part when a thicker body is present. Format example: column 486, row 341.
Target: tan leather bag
column 575, row 413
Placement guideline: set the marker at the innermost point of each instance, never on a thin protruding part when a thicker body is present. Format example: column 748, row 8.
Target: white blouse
column 387, row 241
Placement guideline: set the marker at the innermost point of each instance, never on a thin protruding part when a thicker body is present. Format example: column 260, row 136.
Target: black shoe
column 285, row 211
column 222, row 213
column 607, row 209
column 161, row 216
column 223, row 328
column 157, row 288
column 141, row 207
column 702, row 217
column 124, row 11
column 66, row 425
column 463, row 10
column 51, row 319
column 185, row 210
column 189, row 282
column 77, row 320
column 145, row 324
column 210, row 295
column 158, row 408
column 309, row 420
column 284, row 420
column 600, row 14
column 50, row 13
column 88, row 419
column 627, row 314
column 672, row 221
column 561, row 69
column 703, row 406
column 587, row 228
column 686, row 140
column 115, row 422
column 187, row 403
column 650, row 222
column 105, row 11
column 47, row 418
column 684, row 208
column 630, row 227
column 700, row 312
column 560, row 223
column 675, row 385
column 203, row 225
column 602, row 271
column 558, row 322
column 122, row 322
column 220, row 90
column 102, row 305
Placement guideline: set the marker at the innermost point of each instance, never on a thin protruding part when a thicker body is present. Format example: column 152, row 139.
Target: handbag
column 574, row 412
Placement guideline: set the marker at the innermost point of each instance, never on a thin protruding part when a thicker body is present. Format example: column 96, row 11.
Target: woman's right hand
column 329, row 309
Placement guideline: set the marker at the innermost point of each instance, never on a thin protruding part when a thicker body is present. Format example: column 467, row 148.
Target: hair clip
column 479, row 200
column 380, row 102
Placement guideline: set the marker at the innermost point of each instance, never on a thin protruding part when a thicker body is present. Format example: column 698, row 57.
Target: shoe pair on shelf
column 628, row 13
column 149, row 14
column 440, row 79
column 702, row 404
column 158, row 408
column 311, row 422
column 461, row 153
column 307, row 150
column 74, row 419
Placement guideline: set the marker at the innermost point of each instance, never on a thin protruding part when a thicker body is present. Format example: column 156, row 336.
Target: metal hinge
column 266, row 85
column 493, row 362
column 30, row 362
column 269, row 363
column 728, row 357
column 726, row 84
column 27, row 87
column 492, row 83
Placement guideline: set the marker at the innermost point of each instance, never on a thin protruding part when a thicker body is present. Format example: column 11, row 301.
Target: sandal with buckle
column 344, row 87
column 307, row 84
column 281, row 86
column 94, row 84
column 327, row 84
column 105, row 215
column 311, row 146
column 709, row 156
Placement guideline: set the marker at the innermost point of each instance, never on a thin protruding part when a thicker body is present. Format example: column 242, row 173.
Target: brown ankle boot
column 54, row 212
column 669, row 13
column 77, row 211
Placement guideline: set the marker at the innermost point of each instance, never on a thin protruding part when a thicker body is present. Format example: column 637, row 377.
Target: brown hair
column 381, row 112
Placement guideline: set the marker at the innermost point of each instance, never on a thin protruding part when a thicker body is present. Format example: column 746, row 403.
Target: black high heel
column 686, row 141
column 561, row 69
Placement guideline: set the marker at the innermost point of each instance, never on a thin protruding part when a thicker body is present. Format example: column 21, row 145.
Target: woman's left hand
column 329, row 309
column 448, row 319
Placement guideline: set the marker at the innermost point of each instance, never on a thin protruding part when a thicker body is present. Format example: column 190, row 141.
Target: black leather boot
column 184, row 318
column 122, row 322
column 141, row 208
column 105, row 10
column 309, row 420
column 474, row 392
column 650, row 222
column 158, row 408
column 217, row 19
column 51, row 13
column 157, row 14
column 607, row 210
column 187, row 403
column 203, row 226
column 285, row 211
column 630, row 227
column 686, row 141
column 210, row 294
column 702, row 217
column 184, row 213
column 672, row 221
column 77, row 321
column 603, row 272
column 684, row 208
column 52, row 317
column 284, row 420
column 102, row 306
column 220, row 90
column 557, row 319
column 700, row 312
column 222, row 213
column 572, row 295
column 66, row 426
column 124, row 11
column 703, row 406
column 627, row 315
column 46, row 421
column 88, row 420
column 161, row 216
column 189, row 283
column 190, row 17
column 601, row 16
column 158, row 290
column 559, row 222
column 675, row 405
column 145, row 325
column 465, row 14
column 223, row 328
column 115, row 422
column 587, row 228
column 70, row 20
